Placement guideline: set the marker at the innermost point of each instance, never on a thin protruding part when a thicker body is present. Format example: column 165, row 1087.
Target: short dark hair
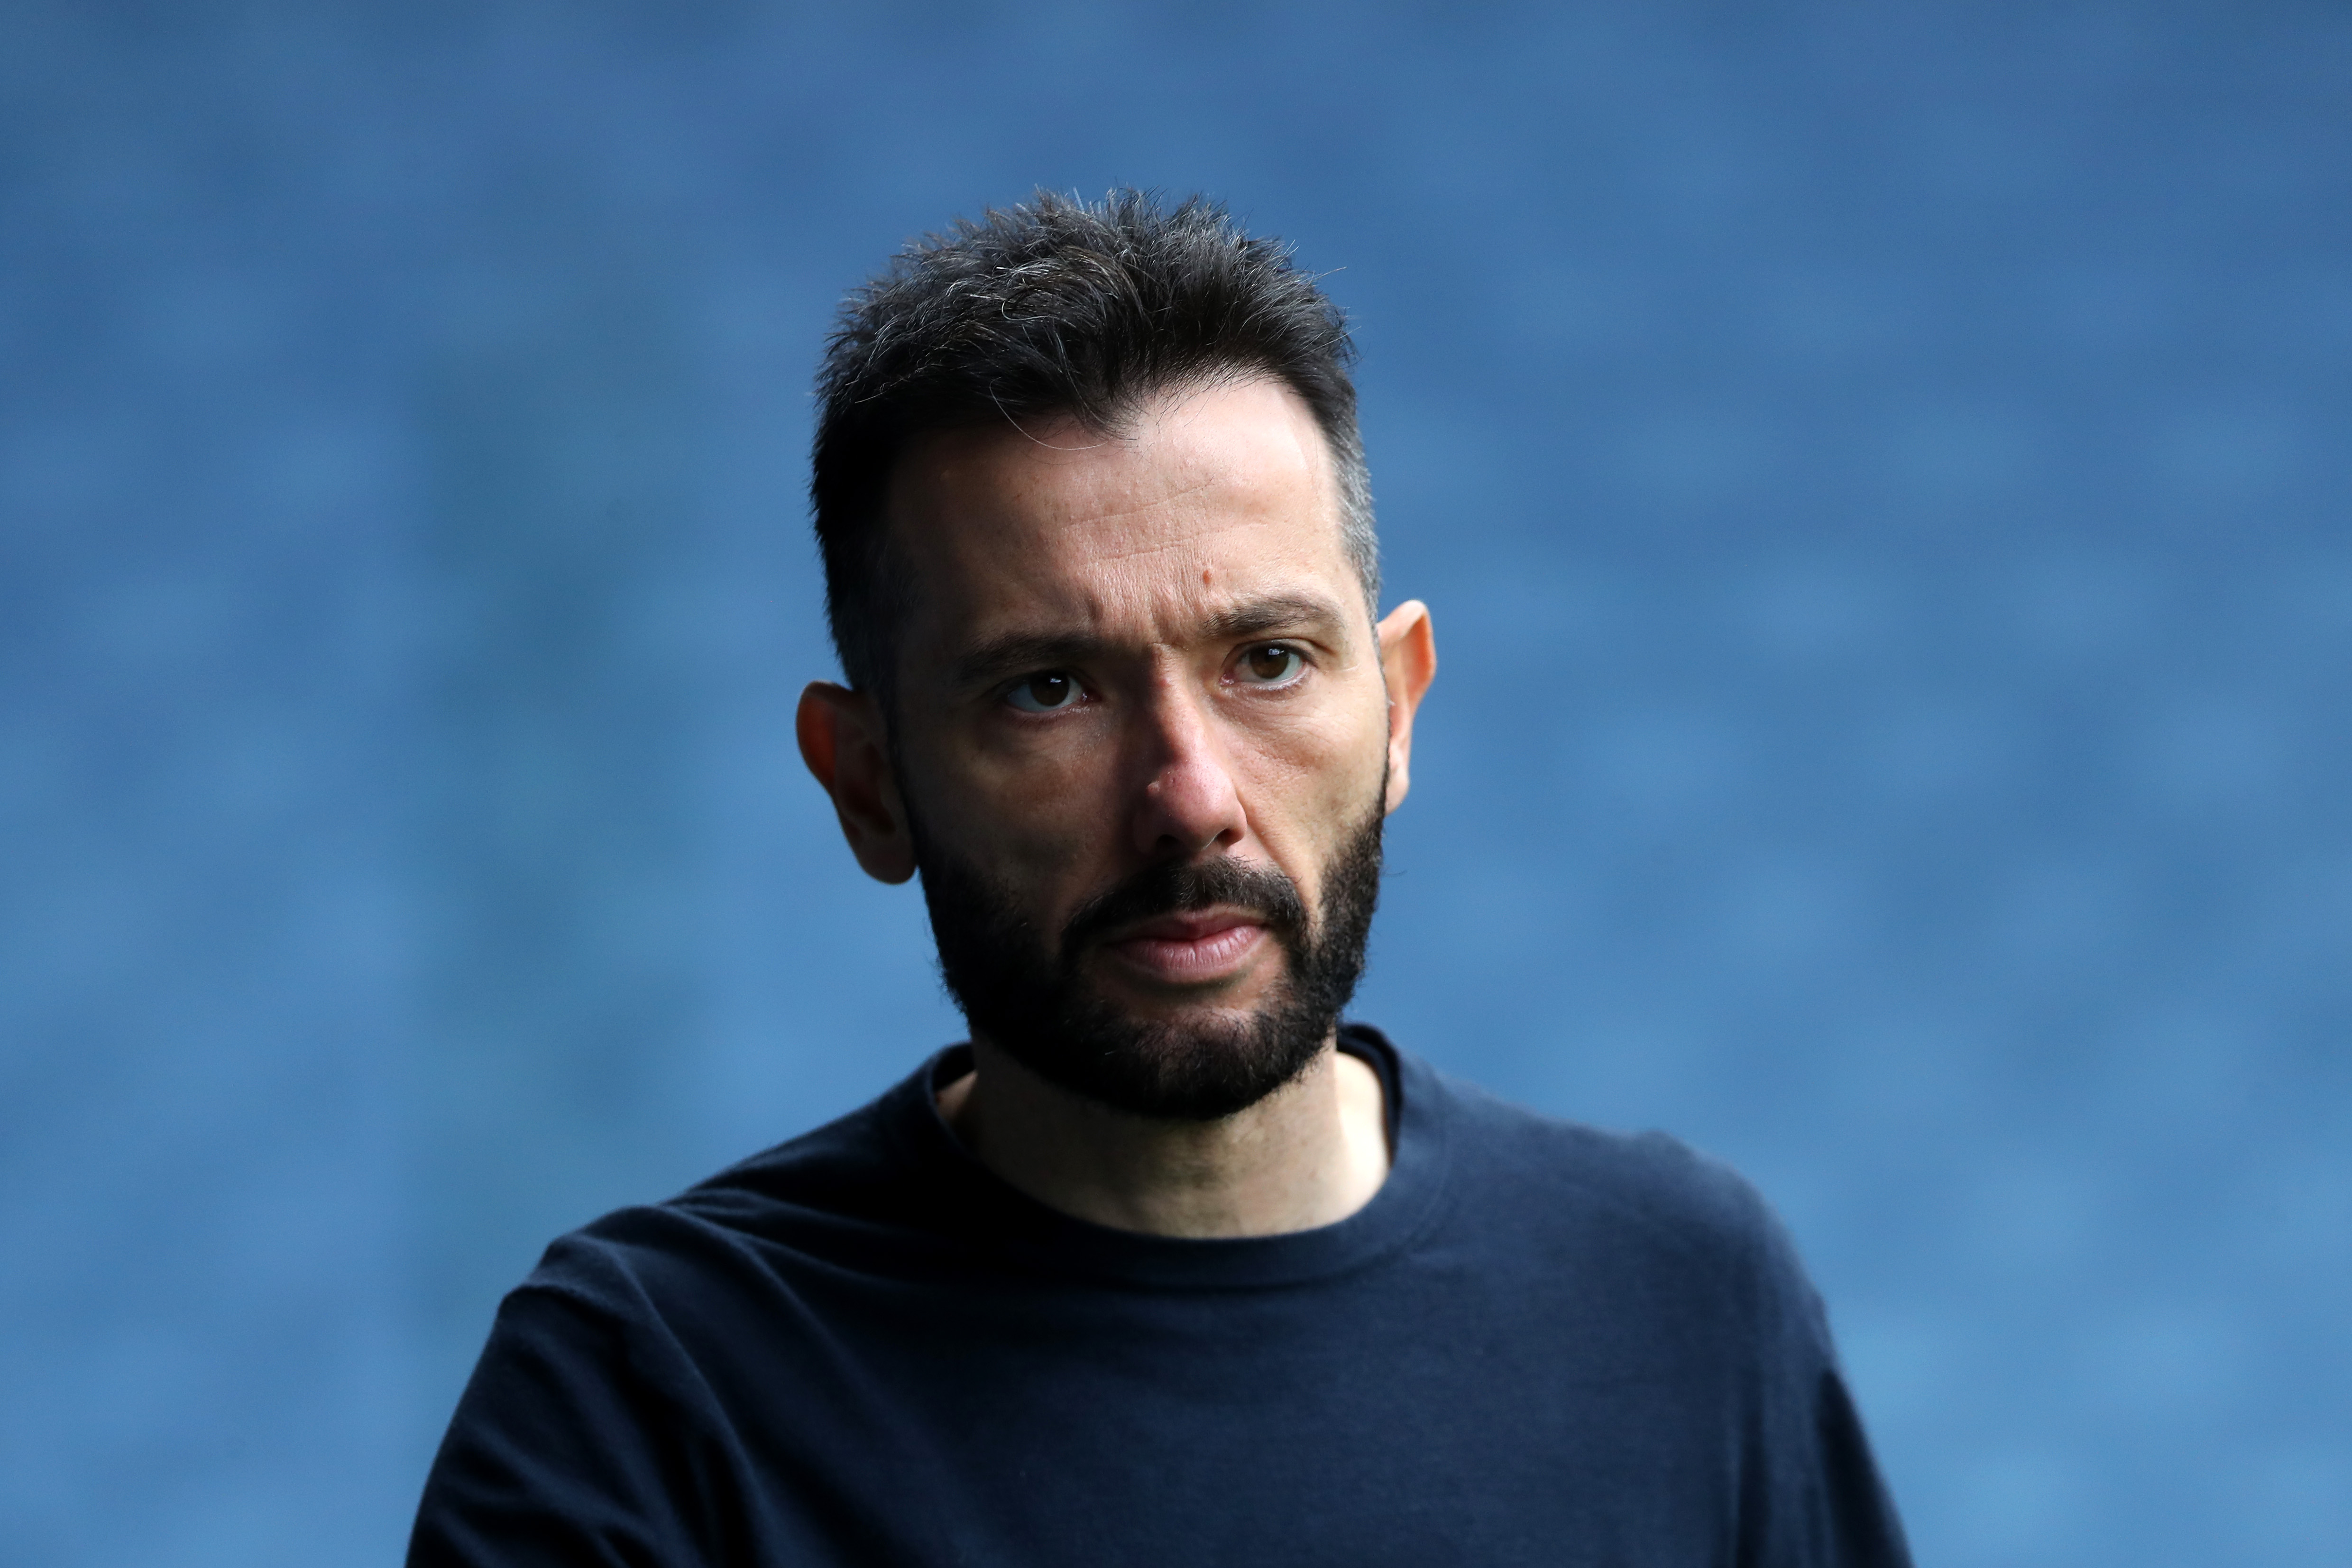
column 1058, row 306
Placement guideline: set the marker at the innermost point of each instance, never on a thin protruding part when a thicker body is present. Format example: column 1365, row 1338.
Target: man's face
column 1142, row 738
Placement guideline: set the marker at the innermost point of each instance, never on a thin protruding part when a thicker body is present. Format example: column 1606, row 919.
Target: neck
column 1310, row 1153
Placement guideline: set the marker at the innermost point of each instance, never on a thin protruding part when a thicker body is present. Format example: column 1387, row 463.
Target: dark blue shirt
column 1539, row 1344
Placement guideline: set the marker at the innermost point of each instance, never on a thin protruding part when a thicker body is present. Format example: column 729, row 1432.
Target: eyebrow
column 1017, row 652
column 1275, row 612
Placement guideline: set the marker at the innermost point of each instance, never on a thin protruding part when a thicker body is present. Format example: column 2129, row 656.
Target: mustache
column 1179, row 887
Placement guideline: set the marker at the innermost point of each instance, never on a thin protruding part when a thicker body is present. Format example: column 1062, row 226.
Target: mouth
column 1193, row 949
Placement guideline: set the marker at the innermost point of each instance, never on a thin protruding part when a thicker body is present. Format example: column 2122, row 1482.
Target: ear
column 842, row 742
column 1408, row 663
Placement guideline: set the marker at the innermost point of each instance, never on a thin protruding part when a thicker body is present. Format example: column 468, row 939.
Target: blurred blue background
column 1881, row 477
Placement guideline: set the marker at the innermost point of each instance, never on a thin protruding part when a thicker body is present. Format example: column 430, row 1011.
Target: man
column 1166, row 1266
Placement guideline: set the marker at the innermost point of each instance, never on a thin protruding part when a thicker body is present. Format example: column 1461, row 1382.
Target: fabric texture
column 1538, row 1342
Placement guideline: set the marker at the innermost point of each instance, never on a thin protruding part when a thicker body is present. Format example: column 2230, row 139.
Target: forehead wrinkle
column 1145, row 548
column 1170, row 498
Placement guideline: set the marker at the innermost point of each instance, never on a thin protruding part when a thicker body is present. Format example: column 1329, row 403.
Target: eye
column 1272, row 663
column 1049, row 691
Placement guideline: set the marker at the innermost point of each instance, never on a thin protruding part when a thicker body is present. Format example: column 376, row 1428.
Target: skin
column 1121, row 650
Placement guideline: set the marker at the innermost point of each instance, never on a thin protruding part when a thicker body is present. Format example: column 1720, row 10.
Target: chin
column 1195, row 1064
column 1231, row 1004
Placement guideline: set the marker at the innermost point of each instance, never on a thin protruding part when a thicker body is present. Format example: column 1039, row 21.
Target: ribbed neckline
column 991, row 1213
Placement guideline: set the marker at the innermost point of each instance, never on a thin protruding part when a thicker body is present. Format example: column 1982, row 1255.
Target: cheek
column 1025, row 811
column 1315, row 784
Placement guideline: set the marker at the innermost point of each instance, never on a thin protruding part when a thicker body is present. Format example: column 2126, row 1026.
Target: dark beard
column 1032, row 1000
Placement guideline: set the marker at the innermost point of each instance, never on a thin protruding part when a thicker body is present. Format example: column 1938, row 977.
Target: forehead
column 1211, row 495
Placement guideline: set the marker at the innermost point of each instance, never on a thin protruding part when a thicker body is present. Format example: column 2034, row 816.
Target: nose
column 1188, row 801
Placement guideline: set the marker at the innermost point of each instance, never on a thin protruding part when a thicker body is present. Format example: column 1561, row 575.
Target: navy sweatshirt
column 1539, row 1344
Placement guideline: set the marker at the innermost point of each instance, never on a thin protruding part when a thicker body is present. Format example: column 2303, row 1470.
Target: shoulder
column 844, row 1194
column 1646, row 1203
column 1650, row 1178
